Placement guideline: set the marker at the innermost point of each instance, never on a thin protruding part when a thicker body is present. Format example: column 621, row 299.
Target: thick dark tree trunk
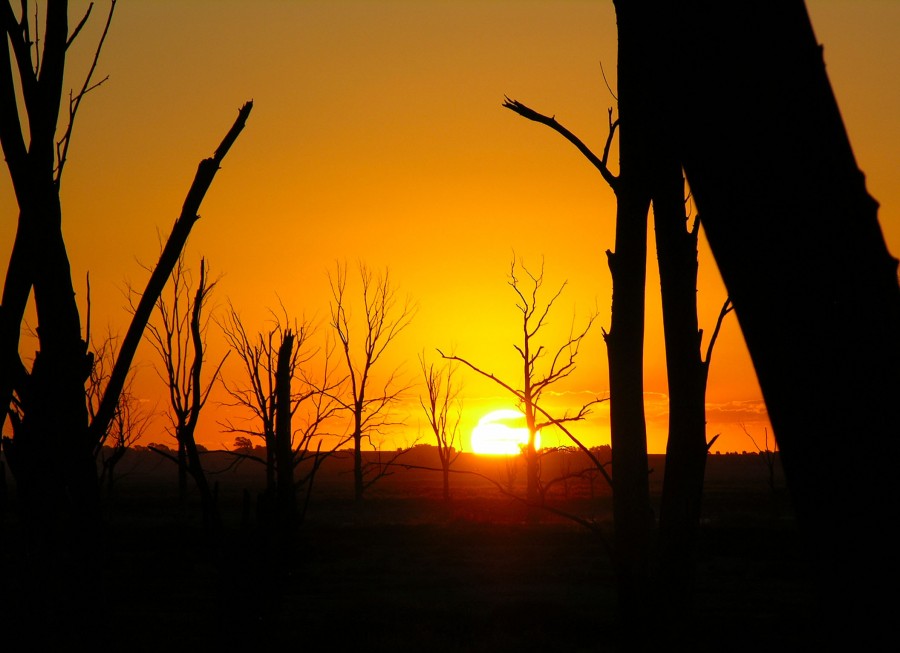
column 797, row 240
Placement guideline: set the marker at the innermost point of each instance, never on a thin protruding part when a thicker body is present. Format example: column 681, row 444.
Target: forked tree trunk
column 211, row 518
column 797, row 240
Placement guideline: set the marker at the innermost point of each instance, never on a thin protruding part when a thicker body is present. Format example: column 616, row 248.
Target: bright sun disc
column 502, row 432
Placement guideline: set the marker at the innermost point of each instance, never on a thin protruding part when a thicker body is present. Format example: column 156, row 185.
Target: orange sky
column 377, row 134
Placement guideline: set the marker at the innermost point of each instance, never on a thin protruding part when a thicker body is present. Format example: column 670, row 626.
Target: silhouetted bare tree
column 535, row 382
column 259, row 360
column 382, row 321
column 52, row 445
column 50, row 452
column 269, row 369
column 179, row 338
column 443, row 409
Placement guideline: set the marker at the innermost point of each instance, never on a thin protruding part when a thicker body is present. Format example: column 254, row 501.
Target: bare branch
column 83, row 21
column 606, row 81
column 550, row 121
column 727, row 307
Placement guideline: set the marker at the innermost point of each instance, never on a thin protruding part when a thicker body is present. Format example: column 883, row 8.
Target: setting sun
column 502, row 432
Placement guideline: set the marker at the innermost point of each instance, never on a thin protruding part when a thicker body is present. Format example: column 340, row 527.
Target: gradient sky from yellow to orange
column 377, row 134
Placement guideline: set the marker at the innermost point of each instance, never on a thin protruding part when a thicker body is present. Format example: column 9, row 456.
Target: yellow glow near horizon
column 502, row 432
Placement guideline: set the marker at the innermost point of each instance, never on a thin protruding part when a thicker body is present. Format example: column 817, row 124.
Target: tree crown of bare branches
column 384, row 318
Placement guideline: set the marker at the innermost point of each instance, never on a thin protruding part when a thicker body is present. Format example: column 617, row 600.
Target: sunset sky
column 378, row 135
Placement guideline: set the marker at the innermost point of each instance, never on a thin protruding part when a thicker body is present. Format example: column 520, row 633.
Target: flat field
column 406, row 571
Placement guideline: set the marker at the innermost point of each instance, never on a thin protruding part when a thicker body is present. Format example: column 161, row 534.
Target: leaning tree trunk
column 797, row 240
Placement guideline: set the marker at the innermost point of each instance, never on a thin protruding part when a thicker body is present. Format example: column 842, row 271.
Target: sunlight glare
column 502, row 432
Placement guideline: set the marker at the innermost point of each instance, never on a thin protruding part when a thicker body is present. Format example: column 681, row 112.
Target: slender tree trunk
column 211, row 518
column 358, row 486
column 271, row 461
column 625, row 340
column 446, row 469
column 212, row 521
column 676, row 248
column 532, row 463
column 797, row 240
column 686, row 449
column 182, row 471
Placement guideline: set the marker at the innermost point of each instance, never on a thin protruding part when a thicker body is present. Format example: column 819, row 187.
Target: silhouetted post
column 287, row 501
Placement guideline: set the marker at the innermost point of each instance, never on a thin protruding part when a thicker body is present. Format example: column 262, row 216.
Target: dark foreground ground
column 405, row 572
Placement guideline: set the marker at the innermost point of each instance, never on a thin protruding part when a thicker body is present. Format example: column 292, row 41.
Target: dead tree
column 179, row 339
column 382, row 321
column 256, row 395
column 534, row 382
column 271, row 363
column 50, row 397
column 442, row 409
column 50, row 452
